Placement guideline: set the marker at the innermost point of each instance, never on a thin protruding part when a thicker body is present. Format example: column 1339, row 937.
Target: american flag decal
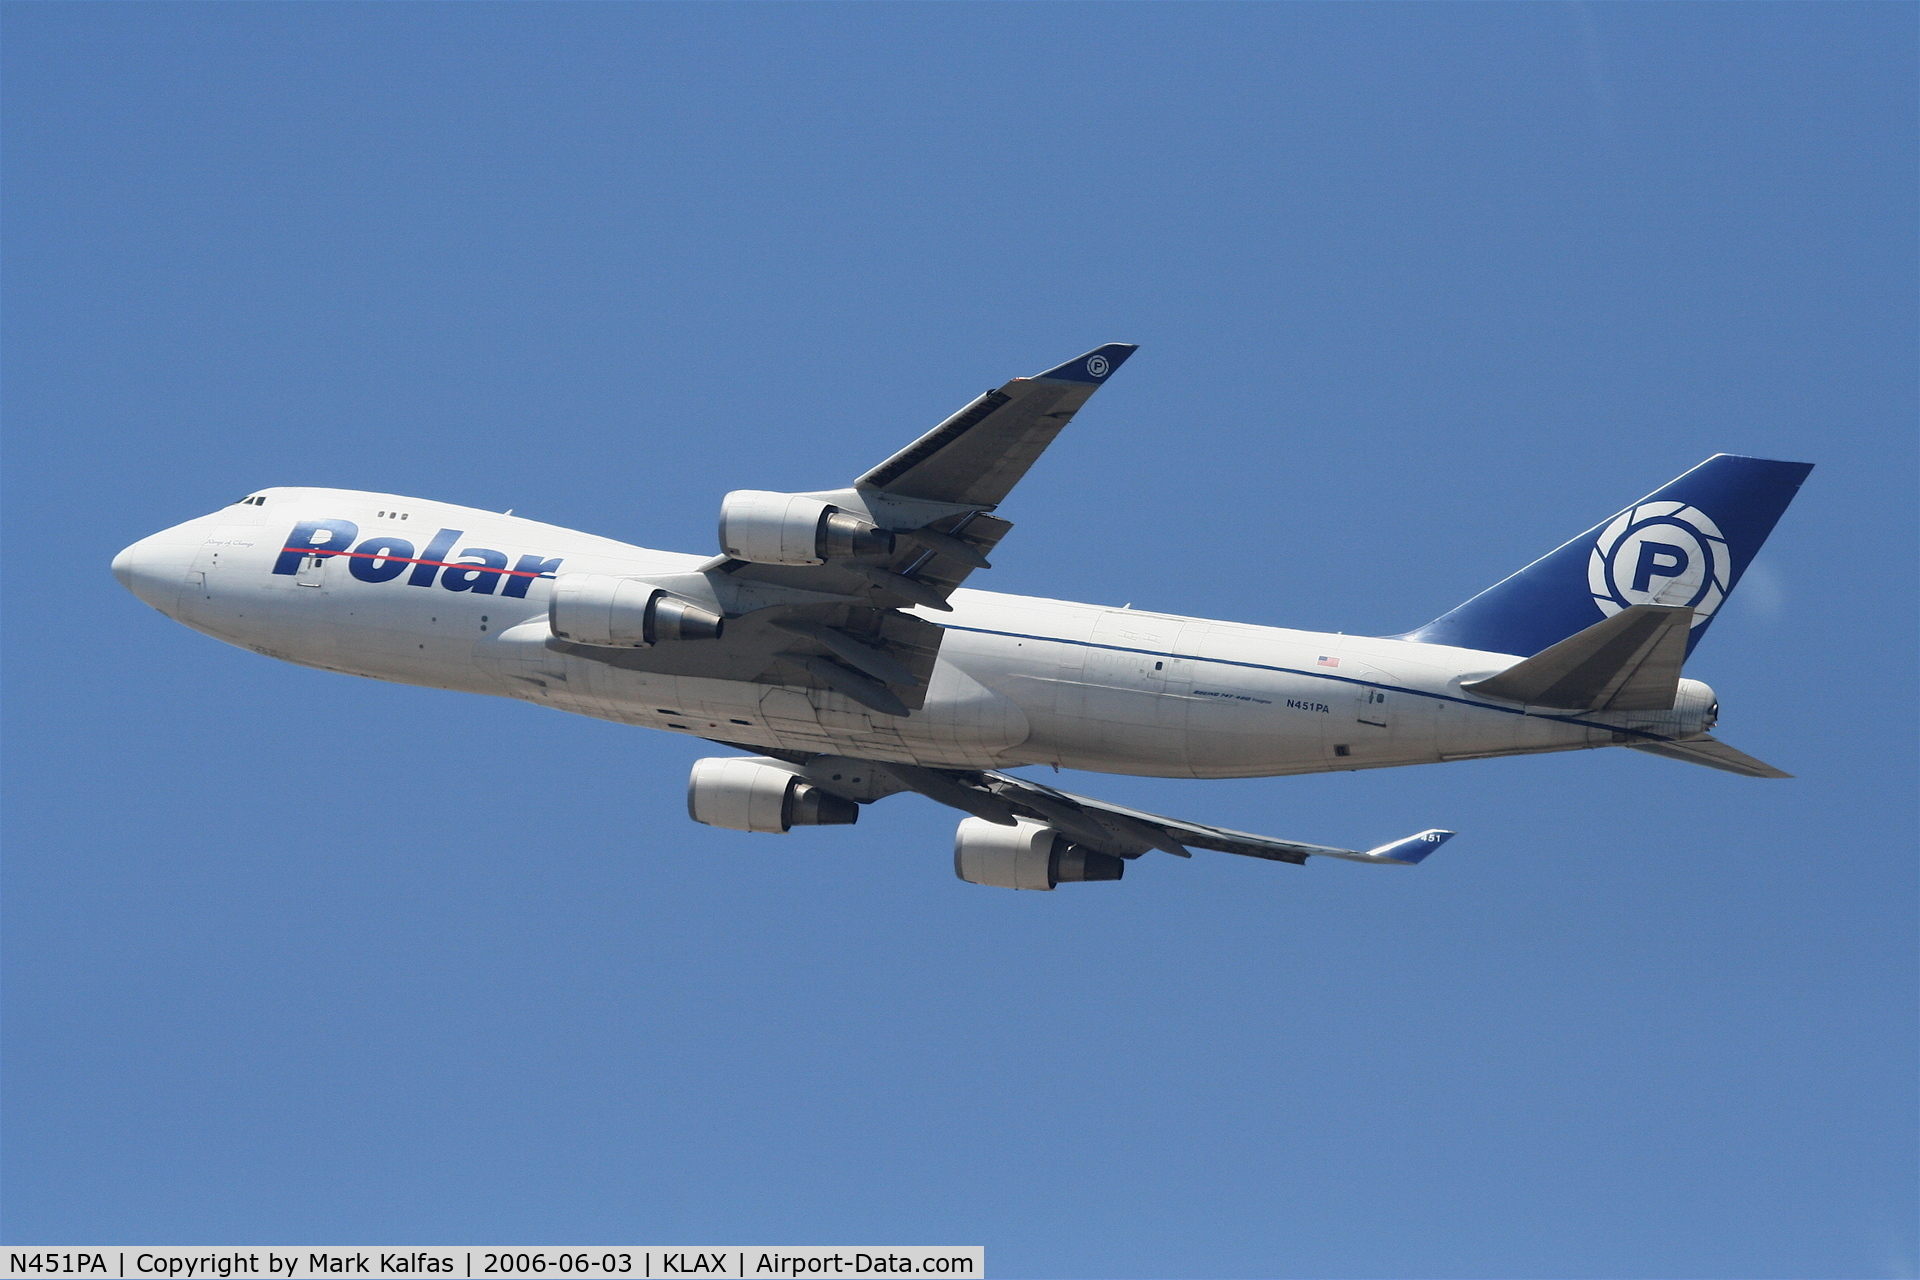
column 1329, row 662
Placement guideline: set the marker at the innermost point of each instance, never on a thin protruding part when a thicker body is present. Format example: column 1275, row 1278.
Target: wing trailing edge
column 1115, row 829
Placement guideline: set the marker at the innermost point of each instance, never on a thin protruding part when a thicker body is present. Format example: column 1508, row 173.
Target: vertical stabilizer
column 1687, row 544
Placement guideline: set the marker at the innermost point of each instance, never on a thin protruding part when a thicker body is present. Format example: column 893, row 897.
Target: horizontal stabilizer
column 1629, row 662
column 1714, row 754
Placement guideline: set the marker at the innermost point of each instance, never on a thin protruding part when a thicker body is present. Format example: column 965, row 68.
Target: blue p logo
column 1660, row 553
column 1658, row 560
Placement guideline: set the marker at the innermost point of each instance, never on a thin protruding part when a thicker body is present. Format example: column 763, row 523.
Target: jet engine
column 748, row 793
column 790, row 528
column 593, row 608
column 1027, row 855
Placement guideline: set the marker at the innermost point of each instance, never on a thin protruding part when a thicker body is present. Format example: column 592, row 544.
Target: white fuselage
column 1020, row 680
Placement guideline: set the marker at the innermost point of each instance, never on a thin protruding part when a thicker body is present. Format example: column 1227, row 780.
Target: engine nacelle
column 790, row 528
column 1027, row 855
column 752, row 793
column 596, row 609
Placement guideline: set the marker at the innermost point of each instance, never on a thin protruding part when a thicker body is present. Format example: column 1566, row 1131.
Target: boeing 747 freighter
column 832, row 639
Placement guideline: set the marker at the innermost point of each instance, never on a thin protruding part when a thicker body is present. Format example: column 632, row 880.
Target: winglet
column 1092, row 367
column 1411, row 850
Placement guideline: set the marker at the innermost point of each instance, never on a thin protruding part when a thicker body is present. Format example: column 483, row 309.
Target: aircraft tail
column 1686, row 543
column 1712, row 753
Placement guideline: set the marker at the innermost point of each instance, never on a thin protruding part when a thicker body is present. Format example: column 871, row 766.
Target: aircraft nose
column 154, row 569
column 123, row 566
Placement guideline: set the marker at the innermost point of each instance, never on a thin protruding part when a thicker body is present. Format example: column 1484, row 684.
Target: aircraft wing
column 840, row 624
column 976, row 457
column 939, row 489
column 1128, row 833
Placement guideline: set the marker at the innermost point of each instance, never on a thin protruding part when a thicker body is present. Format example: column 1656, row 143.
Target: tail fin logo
column 1660, row 553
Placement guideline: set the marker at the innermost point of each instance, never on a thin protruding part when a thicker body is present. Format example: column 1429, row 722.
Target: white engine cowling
column 753, row 793
column 790, row 528
column 596, row 609
column 1027, row 855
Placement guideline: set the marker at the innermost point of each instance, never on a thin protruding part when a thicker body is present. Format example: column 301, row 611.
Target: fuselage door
column 1375, row 706
column 312, row 571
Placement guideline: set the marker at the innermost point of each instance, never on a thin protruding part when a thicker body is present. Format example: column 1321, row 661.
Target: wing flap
column 1128, row 833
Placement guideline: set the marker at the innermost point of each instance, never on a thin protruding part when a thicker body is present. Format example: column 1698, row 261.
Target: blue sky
column 1421, row 291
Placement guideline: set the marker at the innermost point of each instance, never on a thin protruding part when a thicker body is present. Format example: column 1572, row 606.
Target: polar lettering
column 315, row 538
column 380, row 559
column 482, row 577
column 429, row 563
column 528, row 570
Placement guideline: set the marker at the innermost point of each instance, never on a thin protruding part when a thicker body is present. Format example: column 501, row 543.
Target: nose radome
column 123, row 566
column 155, row 568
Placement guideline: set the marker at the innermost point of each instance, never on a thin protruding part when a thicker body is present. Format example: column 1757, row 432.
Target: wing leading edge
column 975, row 457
